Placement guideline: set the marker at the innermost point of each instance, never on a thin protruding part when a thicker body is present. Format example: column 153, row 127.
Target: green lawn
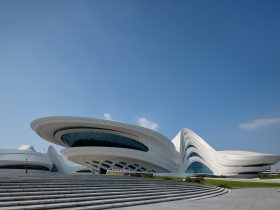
column 213, row 182
column 239, row 184
column 267, row 176
column 221, row 182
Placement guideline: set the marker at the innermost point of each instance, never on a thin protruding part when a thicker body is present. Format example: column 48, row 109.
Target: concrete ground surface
column 241, row 199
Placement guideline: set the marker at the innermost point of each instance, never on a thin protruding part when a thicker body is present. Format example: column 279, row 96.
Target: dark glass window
column 96, row 166
column 131, row 166
column 84, row 171
column 190, row 146
column 84, row 139
column 54, row 168
column 32, row 167
column 250, row 172
column 257, row 165
column 118, row 165
column 105, row 165
column 198, row 167
column 102, row 171
column 194, row 154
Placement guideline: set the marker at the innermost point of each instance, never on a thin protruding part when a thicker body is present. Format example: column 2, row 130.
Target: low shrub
column 196, row 179
column 167, row 178
column 145, row 175
column 188, row 179
column 269, row 176
column 225, row 186
column 148, row 175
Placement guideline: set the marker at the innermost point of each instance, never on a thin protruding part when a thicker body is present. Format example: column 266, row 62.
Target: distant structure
column 27, row 160
column 103, row 145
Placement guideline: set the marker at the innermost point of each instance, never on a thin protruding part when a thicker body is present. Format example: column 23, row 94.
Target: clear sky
column 211, row 66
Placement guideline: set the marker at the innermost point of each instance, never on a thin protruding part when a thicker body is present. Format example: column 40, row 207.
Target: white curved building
column 196, row 156
column 27, row 159
column 102, row 144
column 18, row 160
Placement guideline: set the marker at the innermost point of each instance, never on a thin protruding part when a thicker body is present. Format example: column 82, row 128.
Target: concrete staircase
column 56, row 191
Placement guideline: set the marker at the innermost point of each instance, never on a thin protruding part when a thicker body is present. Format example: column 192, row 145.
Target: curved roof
column 50, row 128
column 244, row 153
column 27, row 147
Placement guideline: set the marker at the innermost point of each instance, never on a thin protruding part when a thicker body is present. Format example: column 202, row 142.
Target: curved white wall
column 163, row 155
column 12, row 157
column 228, row 163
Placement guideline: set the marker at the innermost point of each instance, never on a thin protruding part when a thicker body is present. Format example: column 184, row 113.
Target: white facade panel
column 102, row 145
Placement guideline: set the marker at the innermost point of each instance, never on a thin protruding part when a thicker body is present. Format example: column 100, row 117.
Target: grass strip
column 238, row 184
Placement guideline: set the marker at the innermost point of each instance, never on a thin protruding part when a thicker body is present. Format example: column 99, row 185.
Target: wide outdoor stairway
column 55, row 191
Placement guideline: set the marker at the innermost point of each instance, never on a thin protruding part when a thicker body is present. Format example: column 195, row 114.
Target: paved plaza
column 237, row 199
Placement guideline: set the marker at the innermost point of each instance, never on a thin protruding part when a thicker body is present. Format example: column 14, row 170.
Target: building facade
column 101, row 145
column 27, row 160
column 22, row 160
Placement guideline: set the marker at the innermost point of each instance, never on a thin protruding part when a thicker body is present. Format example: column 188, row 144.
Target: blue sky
column 211, row 66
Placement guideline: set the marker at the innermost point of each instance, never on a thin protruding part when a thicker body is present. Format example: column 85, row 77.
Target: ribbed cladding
column 227, row 163
column 191, row 143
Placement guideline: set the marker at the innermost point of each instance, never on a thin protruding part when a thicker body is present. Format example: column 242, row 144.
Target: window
column 105, row 165
column 194, row 154
column 250, row 172
column 54, row 168
column 198, row 167
column 257, row 165
column 28, row 166
column 131, row 166
column 190, row 146
column 96, row 166
column 118, row 165
column 98, row 139
column 84, row 171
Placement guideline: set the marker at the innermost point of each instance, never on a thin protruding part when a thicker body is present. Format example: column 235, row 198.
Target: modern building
column 27, row 160
column 101, row 145
column 24, row 159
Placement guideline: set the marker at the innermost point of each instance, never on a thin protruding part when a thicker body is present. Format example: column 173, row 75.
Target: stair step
column 143, row 199
column 136, row 203
column 100, row 197
column 88, row 188
column 69, row 194
column 94, row 192
column 83, row 192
